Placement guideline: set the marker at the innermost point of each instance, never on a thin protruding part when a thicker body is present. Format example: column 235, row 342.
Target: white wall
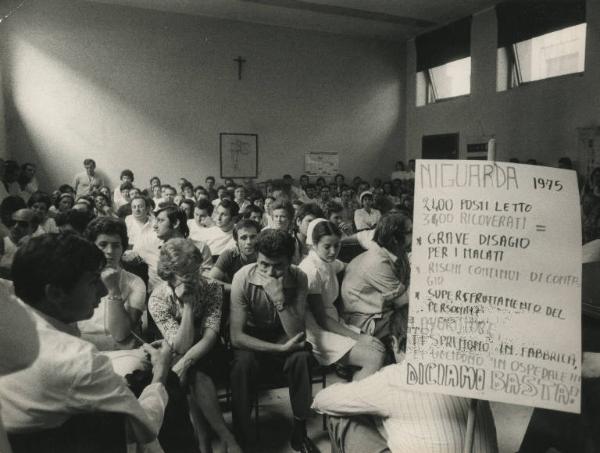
column 537, row 121
column 152, row 91
column 3, row 150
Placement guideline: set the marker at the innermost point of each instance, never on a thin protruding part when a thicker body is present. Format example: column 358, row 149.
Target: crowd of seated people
column 146, row 300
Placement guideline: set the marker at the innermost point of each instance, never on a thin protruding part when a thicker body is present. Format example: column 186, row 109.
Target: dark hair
column 100, row 194
column 191, row 204
column 89, row 161
column 59, row 260
column 398, row 329
column 205, row 204
column 126, row 172
column 331, row 208
column 209, row 177
column 285, row 205
column 78, row 220
column 308, row 209
column 390, row 228
column 65, row 188
column 250, row 209
column 9, row 206
column 200, row 188
column 155, row 178
column 39, row 197
column 275, row 243
column 107, row 225
column 64, row 195
column 23, row 179
column 12, row 165
column 126, row 186
column 231, row 206
column 324, row 229
column 566, row 161
column 244, row 223
column 141, row 197
column 188, row 185
column 174, row 214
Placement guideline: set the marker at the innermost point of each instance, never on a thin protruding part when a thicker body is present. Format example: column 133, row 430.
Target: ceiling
column 386, row 19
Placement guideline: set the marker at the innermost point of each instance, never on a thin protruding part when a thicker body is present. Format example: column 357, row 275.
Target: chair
column 96, row 432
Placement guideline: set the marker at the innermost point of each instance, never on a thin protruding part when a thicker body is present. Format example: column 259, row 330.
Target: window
column 539, row 40
column 446, row 81
column 444, row 63
column 550, row 55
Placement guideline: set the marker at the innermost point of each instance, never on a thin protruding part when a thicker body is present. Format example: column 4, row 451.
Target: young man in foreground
column 58, row 277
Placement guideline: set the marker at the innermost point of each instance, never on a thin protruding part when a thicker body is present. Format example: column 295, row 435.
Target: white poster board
column 495, row 293
column 321, row 164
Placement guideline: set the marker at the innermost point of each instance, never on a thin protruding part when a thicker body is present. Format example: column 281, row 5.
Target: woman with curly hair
column 187, row 310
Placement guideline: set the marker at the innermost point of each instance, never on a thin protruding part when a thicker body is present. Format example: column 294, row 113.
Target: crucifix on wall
column 240, row 61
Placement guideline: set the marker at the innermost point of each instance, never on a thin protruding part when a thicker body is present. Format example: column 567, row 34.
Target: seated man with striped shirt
column 381, row 414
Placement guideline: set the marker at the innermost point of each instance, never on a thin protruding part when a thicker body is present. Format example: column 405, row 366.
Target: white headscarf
column 311, row 227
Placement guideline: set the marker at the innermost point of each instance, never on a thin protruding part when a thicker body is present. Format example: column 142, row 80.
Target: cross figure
column 240, row 61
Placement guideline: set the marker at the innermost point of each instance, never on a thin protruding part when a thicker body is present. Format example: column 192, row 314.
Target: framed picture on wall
column 239, row 155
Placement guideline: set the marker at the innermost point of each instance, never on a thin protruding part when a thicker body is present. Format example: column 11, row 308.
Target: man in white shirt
column 139, row 222
column 58, row 277
column 203, row 210
column 19, row 347
column 118, row 200
column 88, row 180
column 220, row 237
column 381, row 413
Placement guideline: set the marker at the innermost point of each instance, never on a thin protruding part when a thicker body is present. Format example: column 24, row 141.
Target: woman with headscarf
column 333, row 341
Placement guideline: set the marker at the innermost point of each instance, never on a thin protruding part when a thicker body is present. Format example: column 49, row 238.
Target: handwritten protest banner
column 495, row 295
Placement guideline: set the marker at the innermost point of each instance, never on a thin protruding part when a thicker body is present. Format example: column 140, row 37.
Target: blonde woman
column 187, row 310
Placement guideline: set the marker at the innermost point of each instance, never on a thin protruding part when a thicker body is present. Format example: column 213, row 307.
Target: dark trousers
column 356, row 434
column 177, row 433
column 568, row 433
column 245, row 383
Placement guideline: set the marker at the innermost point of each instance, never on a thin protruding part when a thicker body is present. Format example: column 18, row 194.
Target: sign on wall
column 495, row 297
column 321, row 164
column 238, row 155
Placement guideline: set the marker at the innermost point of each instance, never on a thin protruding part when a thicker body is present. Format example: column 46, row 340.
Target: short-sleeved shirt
column 232, row 260
column 328, row 347
column 84, row 184
column 247, row 293
column 135, row 229
column 322, row 279
column 166, row 310
column 217, row 240
column 368, row 276
column 365, row 220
